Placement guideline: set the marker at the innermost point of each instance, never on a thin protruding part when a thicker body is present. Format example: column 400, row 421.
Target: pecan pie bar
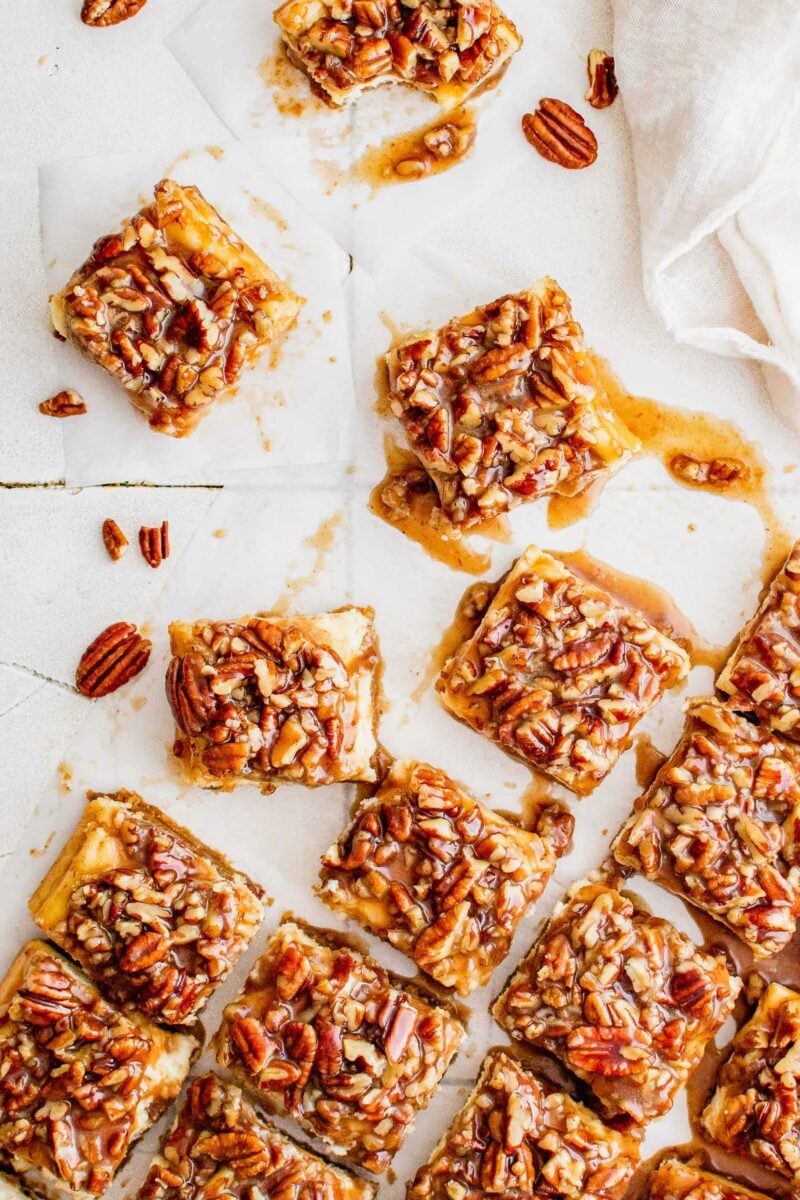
column 519, row 1136
column 219, row 1146
column 442, row 878
column 720, row 825
column 328, row 1037
column 174, row 305
column 679, row 1181
column 79, row 1080
column 622, row 997
column 755, row 1109
column 764, row 669
column 558, row 672
column 271, row 700
column 152, row 915
column 503, row 406
column 348, row 46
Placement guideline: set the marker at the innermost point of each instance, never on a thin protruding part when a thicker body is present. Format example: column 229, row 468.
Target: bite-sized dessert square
column 623, row 998
column 174, row 306
column 674, row 1180
column 503, row 406
column 348, row 46
column 219, row 1142
column 270, row 699
column 720, row 825
column 79, row 1079
column 440, row 876
column 328, row 1037
column 152, row 915
column 763, row 671
column 520, row 1136
column 755, row 1108
column 558, row 672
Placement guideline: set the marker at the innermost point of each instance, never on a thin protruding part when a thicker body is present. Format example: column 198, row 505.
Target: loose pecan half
column 560, row 135
column 154, row 544
column 603, row 86
column 101, row 13
column 114, row 539
column 115, row 657
column 65, row 404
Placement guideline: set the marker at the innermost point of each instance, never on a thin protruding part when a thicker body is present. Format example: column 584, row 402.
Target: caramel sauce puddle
column 407, row 157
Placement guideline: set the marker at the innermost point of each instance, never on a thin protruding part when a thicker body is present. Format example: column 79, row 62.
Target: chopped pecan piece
column 152, row 915
column 79, row 1080
column 622, row 997
column 720, row 825
column 276, row 699
column 114, row 539
column 332, row 1039
column 674, row 1180
column 218, row 1136
column 716, row 472
column 442, row 878
column 154, row 544
column 560, row 135
column 763, row 673
column 558, row 673
column 116, row 656
column 102, row 13
column 518, row 1135
column 65, row 404
column 172, row 321
column 603, row 87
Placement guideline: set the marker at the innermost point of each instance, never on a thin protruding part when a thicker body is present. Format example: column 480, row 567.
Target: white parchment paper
column 295, row 406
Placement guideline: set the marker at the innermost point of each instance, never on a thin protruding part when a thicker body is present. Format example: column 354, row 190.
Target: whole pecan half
column 560, row 135
column 603, row 87
column 154, row 543
column 116, row 656
column 65, row 404
column 114, row 539
column 100, row 13
column 189, row 693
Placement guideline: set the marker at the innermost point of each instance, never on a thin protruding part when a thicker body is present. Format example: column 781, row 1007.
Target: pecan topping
column 603, row 87
column 154, row 544
column 65, row 404
column 101, row 13
column 624, row 998
column 675, row 1180
column 116, row 656
column 716, row 472
column 560, row 135
column 114, row 539
column 328, row 1037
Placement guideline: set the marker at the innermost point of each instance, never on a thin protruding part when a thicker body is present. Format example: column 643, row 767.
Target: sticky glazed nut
column 622, row 997
column 442, row 878
column 276, row 699
column 763, row 673
column 674, row 1180
column 219, row 1146
column 174, row 306
column 558, row 672
column 152, row 915
column 330, row 1038
column 503, row 406
column 755, row 1108
column 519, row 1136
column 720, row 825
column 79, row 1081
column 347, row 46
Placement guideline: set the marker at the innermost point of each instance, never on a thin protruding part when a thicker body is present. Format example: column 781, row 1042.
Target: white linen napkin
column 712, row 96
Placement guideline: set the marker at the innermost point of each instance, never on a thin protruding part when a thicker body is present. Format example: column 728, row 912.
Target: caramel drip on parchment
column 322, row 541
column 471, row 608
column 648, row 759
column 408, row 157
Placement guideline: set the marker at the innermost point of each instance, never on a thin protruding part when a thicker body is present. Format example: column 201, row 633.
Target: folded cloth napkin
column 712, row 96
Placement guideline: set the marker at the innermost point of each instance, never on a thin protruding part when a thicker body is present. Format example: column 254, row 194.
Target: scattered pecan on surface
column 560, row 135
column 603, row 87
column 154, row 543
column 101, row 13
column 114, row 539
column 716, row 472
column 65, row 404
column 116, row 656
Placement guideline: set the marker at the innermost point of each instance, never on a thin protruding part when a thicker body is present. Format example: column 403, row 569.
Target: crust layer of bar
column 558, row 673
column 678, row 1181
column 328, row 1037
column 622, row 997
column 174, row 306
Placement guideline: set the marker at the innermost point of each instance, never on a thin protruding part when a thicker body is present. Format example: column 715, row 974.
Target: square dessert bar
column 442, row 878
column 220, row 1146
column 503, row 406
column 755, row 1109
column 330, row 1038
column 79, row 1080
column 720, row 825
column 348, row 46
column 558, row 672
column 763, row 673
column 152, row 915
column 174, row 305
column 623, row 998
column 519, row 1136
column 271, row 700
column 675, row 1180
